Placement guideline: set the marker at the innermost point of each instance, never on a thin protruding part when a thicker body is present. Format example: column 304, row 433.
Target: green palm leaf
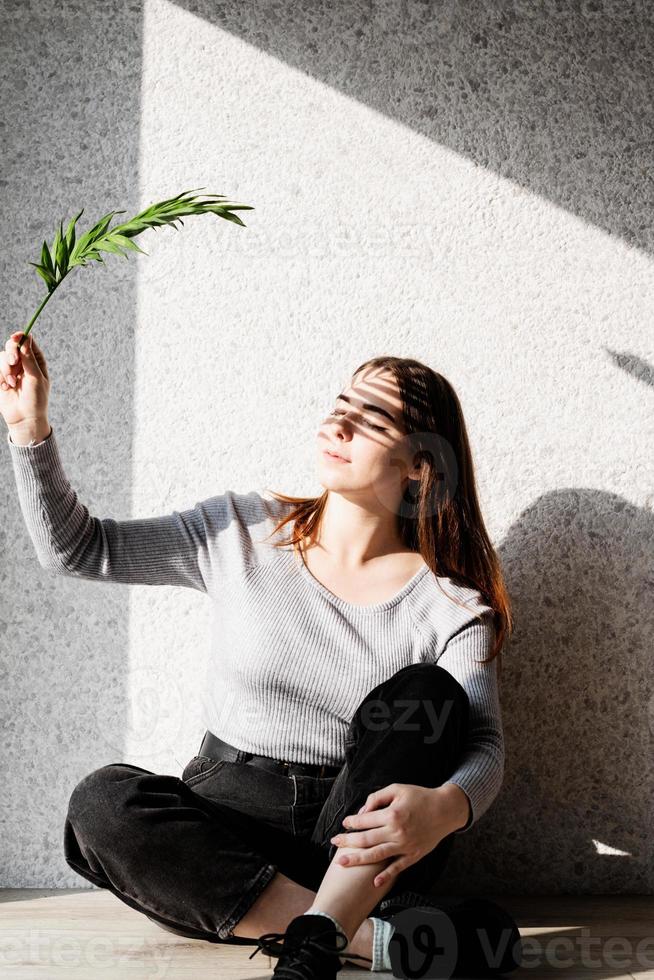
column 67, row 251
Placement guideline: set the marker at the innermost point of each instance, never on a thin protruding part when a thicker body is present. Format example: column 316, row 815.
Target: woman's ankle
column 361, row 943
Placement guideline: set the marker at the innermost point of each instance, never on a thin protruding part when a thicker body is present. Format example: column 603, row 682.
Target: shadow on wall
column 574, row 815
column 575, row 812
column 558, row 97
column 63, row 648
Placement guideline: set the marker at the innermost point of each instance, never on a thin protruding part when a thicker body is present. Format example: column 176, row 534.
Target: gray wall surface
column 465, row 183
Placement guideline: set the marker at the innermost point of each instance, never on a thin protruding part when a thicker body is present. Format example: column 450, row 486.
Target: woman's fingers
column 9, row 374
column 11, row 346
column 11, row 366
column 5, row 372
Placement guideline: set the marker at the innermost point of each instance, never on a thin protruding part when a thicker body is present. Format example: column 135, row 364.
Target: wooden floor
column 80, row 934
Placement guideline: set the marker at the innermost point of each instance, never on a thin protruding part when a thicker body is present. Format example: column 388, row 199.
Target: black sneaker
column 473, row 936
column 310, row 950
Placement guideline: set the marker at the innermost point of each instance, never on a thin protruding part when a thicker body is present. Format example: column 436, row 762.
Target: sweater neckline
column 353, row 607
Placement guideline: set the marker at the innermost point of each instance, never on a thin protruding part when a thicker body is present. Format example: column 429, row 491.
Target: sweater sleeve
column 481, row 768
column 167, row 550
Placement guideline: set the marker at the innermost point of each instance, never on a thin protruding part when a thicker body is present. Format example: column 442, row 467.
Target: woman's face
column 365, row 427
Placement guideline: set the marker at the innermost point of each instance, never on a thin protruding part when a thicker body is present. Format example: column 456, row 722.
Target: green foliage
column 67, row 251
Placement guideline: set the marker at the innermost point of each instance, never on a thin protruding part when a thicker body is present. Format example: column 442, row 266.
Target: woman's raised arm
column 167, row 550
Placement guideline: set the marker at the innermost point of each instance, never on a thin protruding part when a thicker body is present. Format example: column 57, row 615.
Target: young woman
column 352, row 707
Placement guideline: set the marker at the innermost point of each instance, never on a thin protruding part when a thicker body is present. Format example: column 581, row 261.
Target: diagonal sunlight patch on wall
column 555, row 96
column 602, row 848
column 359, row 220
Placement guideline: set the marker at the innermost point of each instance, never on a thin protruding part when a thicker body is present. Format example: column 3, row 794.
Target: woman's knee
column 419, row 698
column 425, row 680
column 94, row 792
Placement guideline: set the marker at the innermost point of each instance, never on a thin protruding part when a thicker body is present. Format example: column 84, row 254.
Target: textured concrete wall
column 466, row 183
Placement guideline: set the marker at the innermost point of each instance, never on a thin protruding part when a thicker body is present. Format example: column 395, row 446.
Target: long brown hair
column 441, row 518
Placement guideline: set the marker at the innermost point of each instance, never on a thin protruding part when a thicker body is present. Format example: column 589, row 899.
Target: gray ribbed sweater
column 290, row 661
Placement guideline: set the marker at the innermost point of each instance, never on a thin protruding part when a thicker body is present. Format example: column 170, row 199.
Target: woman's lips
column 333, row 458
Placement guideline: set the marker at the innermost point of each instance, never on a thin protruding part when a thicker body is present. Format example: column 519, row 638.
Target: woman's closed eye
column 379, row 428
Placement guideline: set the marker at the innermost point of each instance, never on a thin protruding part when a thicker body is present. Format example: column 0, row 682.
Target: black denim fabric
column 194, row 853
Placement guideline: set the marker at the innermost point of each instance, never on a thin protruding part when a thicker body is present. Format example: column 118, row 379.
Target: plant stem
column 31, row 323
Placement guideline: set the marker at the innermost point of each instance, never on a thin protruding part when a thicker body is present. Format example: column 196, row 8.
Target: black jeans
column 194, row 853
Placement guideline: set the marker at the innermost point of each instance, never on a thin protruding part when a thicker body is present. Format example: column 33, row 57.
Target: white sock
column 382, row 932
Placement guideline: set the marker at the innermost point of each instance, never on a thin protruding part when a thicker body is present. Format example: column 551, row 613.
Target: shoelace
column 305, row 949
